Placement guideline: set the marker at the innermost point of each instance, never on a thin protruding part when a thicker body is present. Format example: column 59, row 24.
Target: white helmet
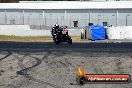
column 56, row 25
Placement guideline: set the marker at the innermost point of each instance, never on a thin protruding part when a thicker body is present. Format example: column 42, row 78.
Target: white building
column 46, row 14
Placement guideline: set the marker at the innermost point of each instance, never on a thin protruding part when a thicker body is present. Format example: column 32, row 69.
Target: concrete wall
column 24, row 30
column 14, row 27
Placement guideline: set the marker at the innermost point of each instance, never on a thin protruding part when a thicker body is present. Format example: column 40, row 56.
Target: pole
column 51, row 19
column 5, row 17
column 28, row 19
column 89, row 15
column 20, row 18
column 65, row 17
column 34, row 23
column 43, row 18
column 62, row 20
column 40, row 20
column 116, row 17
column 14, row 20
column 23, row 17
column 112, row 19
column 85, row 19
column 98, row 18
column 57, row 19
column 70, row 19
column 126, row 20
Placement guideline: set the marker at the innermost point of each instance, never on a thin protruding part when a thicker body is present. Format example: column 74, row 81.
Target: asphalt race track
column 47, row 65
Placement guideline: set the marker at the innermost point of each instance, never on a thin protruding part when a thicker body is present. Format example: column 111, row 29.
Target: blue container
column 98, row 32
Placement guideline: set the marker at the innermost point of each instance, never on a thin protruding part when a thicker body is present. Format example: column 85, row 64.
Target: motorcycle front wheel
column 56, row 41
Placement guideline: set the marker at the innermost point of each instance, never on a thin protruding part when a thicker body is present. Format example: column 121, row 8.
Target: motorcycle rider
column 54, row 29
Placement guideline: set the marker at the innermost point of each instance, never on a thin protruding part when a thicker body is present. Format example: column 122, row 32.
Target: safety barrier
column 120, row 32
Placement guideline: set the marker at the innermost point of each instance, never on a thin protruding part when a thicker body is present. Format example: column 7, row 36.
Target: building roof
column 69, row 5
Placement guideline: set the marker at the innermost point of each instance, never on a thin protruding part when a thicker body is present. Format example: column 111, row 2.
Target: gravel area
column 57, row 67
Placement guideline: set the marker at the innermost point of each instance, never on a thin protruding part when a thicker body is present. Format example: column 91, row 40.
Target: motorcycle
column 61, row 35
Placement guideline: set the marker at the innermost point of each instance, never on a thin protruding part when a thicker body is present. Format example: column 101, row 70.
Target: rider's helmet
column 56, row 26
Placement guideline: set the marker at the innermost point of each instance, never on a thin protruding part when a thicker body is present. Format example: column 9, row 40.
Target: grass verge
column 26, row 38
column 32, row 38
